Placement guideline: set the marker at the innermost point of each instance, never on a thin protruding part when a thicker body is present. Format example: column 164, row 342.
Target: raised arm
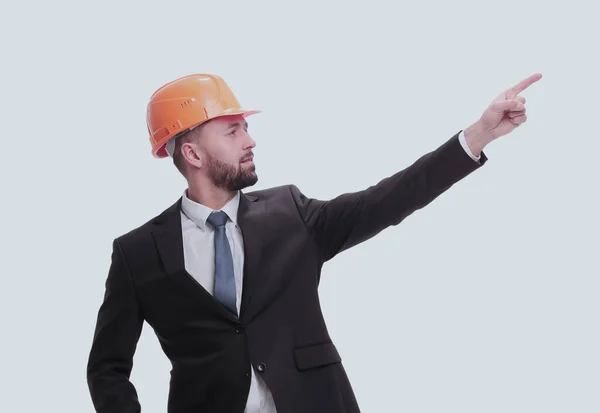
column 352, row 218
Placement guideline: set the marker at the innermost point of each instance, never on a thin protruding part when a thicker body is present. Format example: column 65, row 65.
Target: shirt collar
column 199, row 213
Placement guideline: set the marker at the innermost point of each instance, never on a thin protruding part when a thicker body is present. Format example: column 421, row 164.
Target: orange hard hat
column 184, row 104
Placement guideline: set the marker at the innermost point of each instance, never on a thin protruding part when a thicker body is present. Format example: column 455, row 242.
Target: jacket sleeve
column 352, row 218
column 118, row 328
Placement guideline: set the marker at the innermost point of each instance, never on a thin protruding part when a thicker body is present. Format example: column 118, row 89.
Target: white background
column 487, row 300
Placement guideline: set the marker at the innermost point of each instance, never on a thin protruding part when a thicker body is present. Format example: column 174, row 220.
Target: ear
column 192, row 154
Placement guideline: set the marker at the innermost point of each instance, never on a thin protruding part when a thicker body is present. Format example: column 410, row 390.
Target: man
column 228, row 279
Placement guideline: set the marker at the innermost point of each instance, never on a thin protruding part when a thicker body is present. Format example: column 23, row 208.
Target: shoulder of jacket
column 143, row 230
column 271, row 192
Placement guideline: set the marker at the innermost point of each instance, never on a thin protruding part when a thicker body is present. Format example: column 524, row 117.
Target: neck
column 209, row 195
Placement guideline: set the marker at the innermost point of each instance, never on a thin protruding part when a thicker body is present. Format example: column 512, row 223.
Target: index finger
column 522, row 85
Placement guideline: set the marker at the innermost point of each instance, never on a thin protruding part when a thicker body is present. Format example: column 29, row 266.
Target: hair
column 185, row 137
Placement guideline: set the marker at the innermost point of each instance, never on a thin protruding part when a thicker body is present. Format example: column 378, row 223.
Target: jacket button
column 239, row 329
column 262, row 367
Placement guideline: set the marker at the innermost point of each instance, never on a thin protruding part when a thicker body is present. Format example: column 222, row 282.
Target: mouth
column 248, row 159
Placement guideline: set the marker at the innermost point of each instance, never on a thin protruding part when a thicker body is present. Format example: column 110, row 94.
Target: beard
column 230, row 177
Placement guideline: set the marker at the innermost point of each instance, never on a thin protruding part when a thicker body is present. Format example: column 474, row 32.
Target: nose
column 249, row 143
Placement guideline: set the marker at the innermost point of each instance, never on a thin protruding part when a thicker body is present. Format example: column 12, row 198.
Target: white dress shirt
column 199, row 253
column 463, row 142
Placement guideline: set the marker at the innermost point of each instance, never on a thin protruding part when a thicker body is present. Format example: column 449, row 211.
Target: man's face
column 227, row 153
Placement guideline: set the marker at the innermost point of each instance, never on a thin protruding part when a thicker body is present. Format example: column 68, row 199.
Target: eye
column 232, row 132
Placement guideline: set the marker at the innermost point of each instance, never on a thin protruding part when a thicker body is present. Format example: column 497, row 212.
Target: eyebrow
column 237, row 124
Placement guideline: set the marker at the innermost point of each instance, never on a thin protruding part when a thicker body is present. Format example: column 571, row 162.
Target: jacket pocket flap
column 316, row 355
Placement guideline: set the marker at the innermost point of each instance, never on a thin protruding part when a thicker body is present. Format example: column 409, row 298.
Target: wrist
column 477, row 138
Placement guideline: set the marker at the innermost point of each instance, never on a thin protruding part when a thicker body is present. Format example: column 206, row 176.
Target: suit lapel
column 251, row 211
column 169, row 242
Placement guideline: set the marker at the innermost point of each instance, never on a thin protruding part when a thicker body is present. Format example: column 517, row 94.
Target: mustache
column 247, row 156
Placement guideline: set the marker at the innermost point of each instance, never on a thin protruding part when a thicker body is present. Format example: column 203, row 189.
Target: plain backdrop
column 487, row 300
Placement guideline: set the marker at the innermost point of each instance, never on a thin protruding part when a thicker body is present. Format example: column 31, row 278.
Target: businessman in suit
column 228, row 279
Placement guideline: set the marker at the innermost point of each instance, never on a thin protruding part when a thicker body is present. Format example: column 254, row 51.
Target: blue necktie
column 224, row 275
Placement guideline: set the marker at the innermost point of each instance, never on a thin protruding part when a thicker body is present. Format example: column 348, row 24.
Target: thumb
column 506, row 105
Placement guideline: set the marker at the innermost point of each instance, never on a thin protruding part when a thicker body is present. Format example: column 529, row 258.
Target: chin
column 245, row 179
column 238, row 186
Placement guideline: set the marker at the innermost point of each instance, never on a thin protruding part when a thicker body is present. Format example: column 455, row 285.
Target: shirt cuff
column 463, row 143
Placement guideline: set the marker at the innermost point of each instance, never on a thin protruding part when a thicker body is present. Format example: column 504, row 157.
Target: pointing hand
column 503, row 115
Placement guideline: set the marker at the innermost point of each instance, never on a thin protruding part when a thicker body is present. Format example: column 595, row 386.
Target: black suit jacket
column 281, row 330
